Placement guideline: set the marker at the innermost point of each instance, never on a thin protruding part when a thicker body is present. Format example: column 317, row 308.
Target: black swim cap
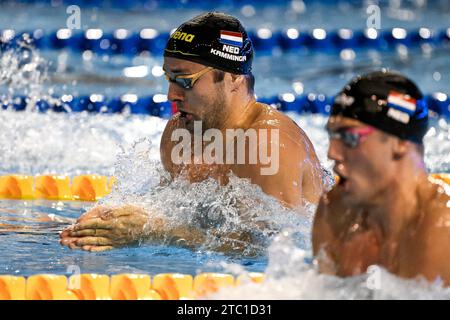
column 213, row 39
column 387, row 101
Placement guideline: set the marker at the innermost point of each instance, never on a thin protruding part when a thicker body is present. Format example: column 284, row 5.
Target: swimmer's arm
column 105, row 228
column 193, row 236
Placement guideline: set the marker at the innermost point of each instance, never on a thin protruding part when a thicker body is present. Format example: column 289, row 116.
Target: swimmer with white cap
column 208, row 63
column 384, row 209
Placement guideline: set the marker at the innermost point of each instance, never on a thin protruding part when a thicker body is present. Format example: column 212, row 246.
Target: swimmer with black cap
column 384, row 209
column 208, row 63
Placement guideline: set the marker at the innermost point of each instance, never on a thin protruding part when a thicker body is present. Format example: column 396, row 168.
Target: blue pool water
column 80, row 143
column 29, row 246
column 321, row 70
column 92, row 143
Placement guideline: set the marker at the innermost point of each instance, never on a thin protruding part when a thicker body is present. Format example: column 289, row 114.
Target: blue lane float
column 294, row 39
column 122, row 41
column 157, row 105
column 147, row 5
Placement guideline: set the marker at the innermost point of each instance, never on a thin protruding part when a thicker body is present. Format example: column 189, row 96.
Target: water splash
column 291, row 275
column 236, row 218
column 437, row 146
column 34, row 143
column 23, row 72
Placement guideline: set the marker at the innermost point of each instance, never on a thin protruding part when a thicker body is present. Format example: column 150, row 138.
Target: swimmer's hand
column 105, row 228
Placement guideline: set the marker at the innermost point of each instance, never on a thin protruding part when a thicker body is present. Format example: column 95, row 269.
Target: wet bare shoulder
column 436, row 205
column 433, row 237
column 272, row 118
column 290, row 134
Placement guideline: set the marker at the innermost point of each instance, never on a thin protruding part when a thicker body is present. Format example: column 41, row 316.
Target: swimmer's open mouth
column 341, row 179
column 186, row 115
column 182, row 114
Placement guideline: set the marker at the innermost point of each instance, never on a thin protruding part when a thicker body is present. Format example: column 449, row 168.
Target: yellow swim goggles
column 186, row 81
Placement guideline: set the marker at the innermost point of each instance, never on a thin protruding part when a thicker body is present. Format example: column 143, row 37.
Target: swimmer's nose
column 176, row 93
column 335, row 151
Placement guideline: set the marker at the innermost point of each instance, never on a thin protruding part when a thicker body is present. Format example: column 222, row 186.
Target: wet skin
column 384, row 211
column 221, row 105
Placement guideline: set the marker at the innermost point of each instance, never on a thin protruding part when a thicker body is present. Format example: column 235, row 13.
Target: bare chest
column 360, row 247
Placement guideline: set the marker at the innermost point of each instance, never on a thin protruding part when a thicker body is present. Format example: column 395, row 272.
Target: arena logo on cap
column 401, row 106
column 177, row 35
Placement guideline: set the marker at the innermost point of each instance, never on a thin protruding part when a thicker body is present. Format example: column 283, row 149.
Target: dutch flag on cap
column 401, row 106
column 231, row 38
column 402, row 102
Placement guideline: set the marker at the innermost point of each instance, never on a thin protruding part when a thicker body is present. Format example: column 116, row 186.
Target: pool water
column 73, row 145
column 321, row 70
column 29, row 236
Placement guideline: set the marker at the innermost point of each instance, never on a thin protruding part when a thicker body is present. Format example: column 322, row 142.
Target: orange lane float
column 165, row 286
column 79, row 188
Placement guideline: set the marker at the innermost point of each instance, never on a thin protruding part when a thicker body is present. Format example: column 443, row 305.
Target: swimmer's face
column 364, row 169
column 205, row 101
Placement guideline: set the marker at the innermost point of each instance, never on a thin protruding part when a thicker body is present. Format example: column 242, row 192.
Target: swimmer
column 384, row 209
column 208, row 63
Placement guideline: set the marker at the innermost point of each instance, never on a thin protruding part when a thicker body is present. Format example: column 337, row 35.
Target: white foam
column 288, row 276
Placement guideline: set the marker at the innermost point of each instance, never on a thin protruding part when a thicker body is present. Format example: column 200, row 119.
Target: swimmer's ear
column 237, row 81
column 400, row 148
